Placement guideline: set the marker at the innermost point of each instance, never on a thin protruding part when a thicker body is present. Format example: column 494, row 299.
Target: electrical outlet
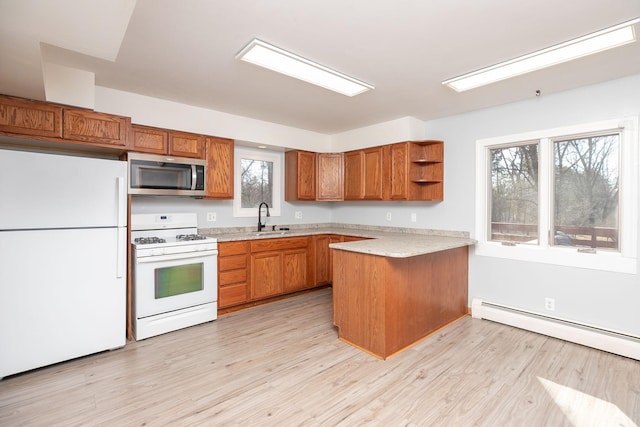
column 211, row 216
column 414, row 217
column 549, row 304
column 298, row 214
column 388, row 216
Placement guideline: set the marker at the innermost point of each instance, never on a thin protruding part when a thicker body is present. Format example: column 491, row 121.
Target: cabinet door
column 19, row 116
column 300, row 175
column 322, row 260
column 95, row 128
column 183, row 144
column 266, row 274
column 353, row 174
column 219, row 153
column 398, row 170
column 330, row 176
column 294, row 263
column 373, row 173
column 149, row 139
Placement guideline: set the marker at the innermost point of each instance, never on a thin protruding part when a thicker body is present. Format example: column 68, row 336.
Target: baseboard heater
column 602, row 339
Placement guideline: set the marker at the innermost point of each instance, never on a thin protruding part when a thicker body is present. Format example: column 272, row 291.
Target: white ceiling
column 185, row 51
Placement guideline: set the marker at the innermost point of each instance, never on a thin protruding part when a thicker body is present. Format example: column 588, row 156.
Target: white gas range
column 174, row 274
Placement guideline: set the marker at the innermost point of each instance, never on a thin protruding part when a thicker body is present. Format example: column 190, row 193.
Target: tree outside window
column 585, row 195
column 257, row 182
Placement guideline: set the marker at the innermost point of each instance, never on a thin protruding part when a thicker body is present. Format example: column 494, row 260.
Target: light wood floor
column 282, row 365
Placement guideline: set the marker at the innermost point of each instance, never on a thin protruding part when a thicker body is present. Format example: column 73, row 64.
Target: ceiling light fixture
column 272, row 57
column 608, row 38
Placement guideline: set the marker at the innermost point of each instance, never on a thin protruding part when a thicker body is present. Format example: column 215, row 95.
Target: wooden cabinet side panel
column 93, row 127
column 358, row 300
column 24, row 117
column 322, row 260
column 220, row 168
column 266, row 274
column 330, row 173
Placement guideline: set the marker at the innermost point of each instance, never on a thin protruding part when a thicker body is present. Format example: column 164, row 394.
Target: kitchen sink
column 271, row 232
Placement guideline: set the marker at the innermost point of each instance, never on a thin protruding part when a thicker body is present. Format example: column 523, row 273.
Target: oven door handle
column 171, row 257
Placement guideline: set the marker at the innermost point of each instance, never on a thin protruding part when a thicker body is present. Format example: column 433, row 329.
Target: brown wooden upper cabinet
column 330, row 173
column 300, row 175
column 363, row 174
column 23, row 117
column 95, row 128
column 149, row 139
column 353, row 175
column 51, row 122
column 313, row 176
column 414, row 170
column 425, row 174
column 220, row 165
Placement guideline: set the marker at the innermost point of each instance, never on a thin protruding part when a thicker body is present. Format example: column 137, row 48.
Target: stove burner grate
column 148, row 240
column 186, row 237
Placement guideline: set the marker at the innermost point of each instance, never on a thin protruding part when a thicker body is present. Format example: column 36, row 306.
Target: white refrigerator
column 63, row 256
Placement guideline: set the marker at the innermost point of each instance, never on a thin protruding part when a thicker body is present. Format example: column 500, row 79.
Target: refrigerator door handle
column 121, row 195
column 121, row 261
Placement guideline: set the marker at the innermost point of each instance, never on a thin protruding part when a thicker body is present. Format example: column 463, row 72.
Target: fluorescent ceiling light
column 268, row 56
column 592, row 43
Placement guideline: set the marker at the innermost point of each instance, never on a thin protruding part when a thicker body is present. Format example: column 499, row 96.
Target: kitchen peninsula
column 392, row 286
column 387, row 297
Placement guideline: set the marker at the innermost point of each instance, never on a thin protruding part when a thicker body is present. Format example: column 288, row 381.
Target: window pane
column 586, row 191
column 514, row 194
column 257, row 182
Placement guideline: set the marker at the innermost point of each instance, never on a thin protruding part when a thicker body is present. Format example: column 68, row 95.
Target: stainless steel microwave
column 160, row 175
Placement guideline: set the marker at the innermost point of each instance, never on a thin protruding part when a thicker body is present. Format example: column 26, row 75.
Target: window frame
column 623, row 261
column 260, row 155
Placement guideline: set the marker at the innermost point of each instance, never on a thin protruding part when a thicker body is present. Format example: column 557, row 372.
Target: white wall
column 145, row 110
column 600, row 298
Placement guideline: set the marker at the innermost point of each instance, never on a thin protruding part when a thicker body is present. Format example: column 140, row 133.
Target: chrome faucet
column 261, row 226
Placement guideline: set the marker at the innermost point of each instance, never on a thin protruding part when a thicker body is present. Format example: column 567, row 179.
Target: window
column 257, row 179
column 564, row 196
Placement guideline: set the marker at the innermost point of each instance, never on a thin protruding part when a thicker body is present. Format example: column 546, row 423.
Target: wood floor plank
column 282, row 364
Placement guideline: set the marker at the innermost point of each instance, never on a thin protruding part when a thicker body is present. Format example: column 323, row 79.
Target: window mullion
column 545, row 190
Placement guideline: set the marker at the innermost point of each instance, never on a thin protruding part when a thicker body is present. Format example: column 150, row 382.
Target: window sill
column 568, row 257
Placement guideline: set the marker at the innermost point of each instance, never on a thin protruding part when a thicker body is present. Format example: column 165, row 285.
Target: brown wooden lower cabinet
column 384, row 305
column 255, row 270
column 266, row 273
column 233, row 273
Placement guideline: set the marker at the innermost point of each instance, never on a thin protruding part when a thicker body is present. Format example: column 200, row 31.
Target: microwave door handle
column 194, row 177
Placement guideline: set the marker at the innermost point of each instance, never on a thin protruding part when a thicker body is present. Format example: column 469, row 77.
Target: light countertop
column 391, row 242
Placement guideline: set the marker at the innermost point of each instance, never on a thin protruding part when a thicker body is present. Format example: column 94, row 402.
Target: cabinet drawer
column 279, row 244
column 233, row 248
column 232, row 262
column 233, row 276
column 232, row 295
